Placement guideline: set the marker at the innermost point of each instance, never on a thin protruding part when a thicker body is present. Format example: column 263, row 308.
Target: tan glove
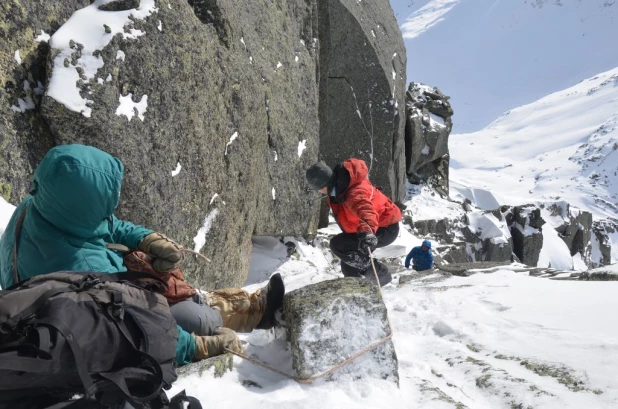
column 209, row 346
column 166, row 252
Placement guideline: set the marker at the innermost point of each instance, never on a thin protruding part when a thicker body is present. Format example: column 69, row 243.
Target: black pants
column 355, row 262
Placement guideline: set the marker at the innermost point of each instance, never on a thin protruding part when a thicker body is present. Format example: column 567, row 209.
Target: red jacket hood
column 357, row 168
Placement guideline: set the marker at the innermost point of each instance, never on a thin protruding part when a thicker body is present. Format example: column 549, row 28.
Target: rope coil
column 340, row 364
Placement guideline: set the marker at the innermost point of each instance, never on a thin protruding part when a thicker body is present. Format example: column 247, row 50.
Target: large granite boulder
column 24, row 134
column 212, row 106
column 333, row 320
column 428, row 126
column 362, row 89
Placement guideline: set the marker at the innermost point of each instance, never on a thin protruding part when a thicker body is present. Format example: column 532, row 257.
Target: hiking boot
column 384, row 276
column 272, row 296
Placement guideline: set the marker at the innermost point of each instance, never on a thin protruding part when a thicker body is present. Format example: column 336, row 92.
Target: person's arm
column 416, row 252
column 127, row 233
column 358, row 203
column 408, row 258
column 430, row 258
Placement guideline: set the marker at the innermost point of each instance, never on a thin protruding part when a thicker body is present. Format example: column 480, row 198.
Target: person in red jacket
column 367, row 217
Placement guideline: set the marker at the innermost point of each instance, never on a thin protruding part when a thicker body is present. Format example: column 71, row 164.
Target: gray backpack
column 98, row 336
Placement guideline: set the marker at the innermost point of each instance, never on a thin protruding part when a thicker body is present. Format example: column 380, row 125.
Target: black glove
column 367, row 241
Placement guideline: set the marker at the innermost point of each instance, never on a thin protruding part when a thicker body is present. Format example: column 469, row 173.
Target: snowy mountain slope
column 491, row 56
column 561, row 147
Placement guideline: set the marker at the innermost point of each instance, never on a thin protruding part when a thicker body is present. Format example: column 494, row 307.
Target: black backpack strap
column 18, row 226
column 177, row 401
column 80, row 362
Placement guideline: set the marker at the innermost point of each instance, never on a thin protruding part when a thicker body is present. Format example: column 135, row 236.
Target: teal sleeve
column 128, row 233
column 185, row 348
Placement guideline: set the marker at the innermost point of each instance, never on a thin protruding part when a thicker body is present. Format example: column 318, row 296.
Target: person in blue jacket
column 66, row 222
column 421, row 257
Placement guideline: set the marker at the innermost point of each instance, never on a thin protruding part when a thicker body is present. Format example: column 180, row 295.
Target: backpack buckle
column 87, row 282
column 117, row 306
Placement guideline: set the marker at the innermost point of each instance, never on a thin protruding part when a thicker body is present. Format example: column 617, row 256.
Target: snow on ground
column 6, row 211
column 492, row 56
column 423, row 203
column 561, row 147
column 488, row 341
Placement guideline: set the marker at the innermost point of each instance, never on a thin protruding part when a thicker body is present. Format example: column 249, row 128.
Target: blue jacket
column 70, row 218
column 421, row 260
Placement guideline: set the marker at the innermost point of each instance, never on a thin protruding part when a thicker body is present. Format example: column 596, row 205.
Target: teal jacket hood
column 76, row 188
column 69, row 217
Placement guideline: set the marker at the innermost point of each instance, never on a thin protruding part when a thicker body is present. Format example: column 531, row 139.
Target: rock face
column 428, row 126
column 362, row 85
column 25, row 136
column 331, row 321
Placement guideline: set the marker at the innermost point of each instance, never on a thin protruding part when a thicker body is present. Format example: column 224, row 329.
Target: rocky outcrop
column 605, row 233
column 487, row 236
column 574, row 226
column 362, row 86
column 525, row 224
column 428, row 126
column 333, row 320
column 440, row 228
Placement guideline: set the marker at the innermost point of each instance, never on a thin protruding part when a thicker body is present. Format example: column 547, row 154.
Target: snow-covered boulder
column 604, row 242
column 573, row 225
column 333, row 320
column 487, row 236
column 362, row 89
column 428, row 126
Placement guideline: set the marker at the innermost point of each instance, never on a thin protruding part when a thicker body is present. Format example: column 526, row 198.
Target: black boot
column 384, row 276
column 273, row 294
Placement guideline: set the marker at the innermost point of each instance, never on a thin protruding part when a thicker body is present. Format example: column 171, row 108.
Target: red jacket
column 362, row 208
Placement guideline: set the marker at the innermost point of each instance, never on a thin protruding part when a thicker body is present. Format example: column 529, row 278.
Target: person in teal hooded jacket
column 67, row 221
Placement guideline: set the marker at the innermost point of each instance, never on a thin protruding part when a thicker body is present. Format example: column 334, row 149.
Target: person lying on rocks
column 421, row 257
column 67, row 222
column 368, row 218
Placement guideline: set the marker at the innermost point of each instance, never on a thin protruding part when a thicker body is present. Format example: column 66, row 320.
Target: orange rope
column 337, row 366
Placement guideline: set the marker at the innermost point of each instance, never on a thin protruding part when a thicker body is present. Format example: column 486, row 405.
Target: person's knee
column 196, row 318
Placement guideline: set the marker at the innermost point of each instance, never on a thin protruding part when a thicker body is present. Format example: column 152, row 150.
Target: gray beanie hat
column 318, row 175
